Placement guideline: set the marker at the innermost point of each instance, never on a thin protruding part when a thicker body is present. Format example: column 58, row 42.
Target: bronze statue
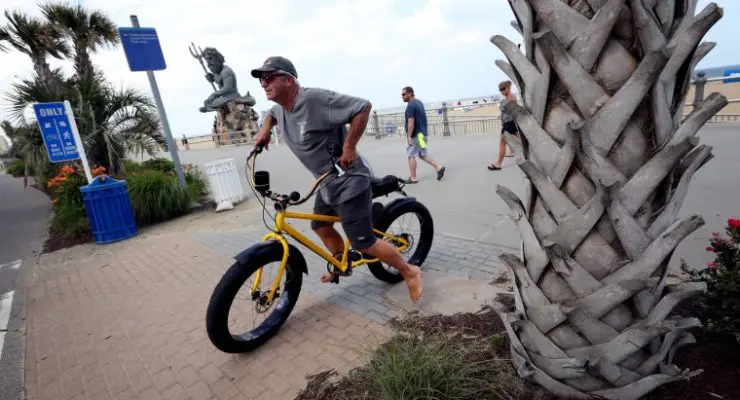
column 235, row 116
column 223, row 76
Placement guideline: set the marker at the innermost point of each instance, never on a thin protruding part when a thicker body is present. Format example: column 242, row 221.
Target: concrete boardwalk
column 127, row 320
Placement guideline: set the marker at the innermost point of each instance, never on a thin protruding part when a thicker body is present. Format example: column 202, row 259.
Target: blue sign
column 56, row 131
column 142, row 49
column 730, row 72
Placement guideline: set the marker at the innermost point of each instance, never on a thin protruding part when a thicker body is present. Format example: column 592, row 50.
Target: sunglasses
column 268, row 78
column 502, row 89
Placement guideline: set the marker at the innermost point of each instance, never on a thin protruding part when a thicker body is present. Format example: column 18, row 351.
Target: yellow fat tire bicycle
column 267, row 297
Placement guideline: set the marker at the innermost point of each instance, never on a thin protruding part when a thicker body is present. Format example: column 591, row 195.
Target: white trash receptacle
column 223, row 179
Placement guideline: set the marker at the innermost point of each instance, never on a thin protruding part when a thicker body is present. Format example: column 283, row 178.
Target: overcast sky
column 368, row 48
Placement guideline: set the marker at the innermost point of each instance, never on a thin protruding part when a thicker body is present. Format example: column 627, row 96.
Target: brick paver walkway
column 127, row 320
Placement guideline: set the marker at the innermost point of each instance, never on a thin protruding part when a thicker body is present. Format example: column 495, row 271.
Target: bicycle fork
column 281, row 270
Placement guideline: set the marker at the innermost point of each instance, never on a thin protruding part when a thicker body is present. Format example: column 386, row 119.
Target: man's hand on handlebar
column 263, row 139
column 349, row 155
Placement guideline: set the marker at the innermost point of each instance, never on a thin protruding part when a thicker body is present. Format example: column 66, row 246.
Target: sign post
column 144, row 53
column 59, row 132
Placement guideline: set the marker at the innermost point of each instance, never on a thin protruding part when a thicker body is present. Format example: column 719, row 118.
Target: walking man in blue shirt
column 417, row 134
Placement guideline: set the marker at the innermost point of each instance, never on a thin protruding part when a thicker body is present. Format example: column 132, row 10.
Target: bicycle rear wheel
column 420, row 240
column 220, row 312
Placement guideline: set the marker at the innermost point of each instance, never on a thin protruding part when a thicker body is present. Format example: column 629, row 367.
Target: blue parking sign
column 56, row 131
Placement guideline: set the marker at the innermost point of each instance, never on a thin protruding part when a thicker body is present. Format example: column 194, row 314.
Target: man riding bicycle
column 310, row 119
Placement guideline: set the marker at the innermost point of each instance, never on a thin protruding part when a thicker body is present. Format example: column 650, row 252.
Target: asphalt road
column 465, row 203
column 23, row 221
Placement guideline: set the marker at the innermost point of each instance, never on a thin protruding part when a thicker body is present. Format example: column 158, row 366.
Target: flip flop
column 494, row 168
column 410, row 181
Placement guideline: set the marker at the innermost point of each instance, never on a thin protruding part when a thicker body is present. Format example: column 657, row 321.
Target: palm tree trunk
column 82, row 61
column 42, row 69
column 609, row 160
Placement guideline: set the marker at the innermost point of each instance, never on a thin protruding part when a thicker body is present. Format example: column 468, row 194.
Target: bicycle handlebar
column 294, row 198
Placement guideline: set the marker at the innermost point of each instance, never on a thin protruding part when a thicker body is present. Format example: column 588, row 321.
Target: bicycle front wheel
column 233, row 303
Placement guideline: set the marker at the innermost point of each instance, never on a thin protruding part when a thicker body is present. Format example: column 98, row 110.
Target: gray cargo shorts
column 356, row 215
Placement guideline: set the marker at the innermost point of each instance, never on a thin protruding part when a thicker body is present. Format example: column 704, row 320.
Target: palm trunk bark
column 42, row 68
column 609, row 159
column 82, row 61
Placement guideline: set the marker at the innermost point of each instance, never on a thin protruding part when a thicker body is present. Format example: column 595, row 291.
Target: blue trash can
column 109, row 209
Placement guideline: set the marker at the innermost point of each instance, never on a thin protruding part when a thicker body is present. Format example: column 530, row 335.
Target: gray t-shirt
column 318, row 118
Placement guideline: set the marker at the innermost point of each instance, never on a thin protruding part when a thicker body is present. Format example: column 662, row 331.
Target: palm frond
column 23, row 94
column 32, row 36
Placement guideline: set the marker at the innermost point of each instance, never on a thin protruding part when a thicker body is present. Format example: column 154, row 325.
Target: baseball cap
column 275, row 63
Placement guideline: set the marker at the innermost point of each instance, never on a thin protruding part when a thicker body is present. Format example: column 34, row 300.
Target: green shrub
column 156, row 196
column 159, row 164
column 16, row 168
column 197, row 185
column 408, row 367
column 71, row 219
column 69, row 210
column 130, row 167
column 720, row 306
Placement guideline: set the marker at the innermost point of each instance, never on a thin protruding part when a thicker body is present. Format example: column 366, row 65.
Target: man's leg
column 412, row 153
column 357, row 223
column 423, row 154
column 326, row 231
column 412, row 169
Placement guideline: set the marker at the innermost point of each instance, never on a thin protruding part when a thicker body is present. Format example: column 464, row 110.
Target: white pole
column 78, row 140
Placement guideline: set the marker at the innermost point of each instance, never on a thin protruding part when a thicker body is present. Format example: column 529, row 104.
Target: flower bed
column 154, row 190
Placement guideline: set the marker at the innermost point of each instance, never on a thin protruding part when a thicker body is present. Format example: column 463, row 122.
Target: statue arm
column 228, row 84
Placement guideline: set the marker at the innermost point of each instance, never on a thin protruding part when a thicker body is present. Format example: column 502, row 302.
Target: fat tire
column 424, row 241
column 223, row 296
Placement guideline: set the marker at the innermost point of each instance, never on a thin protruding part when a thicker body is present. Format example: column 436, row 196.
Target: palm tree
column 87, row 31
column 112, row 122
column 35, row 38
column 27, row 146
column 115, row 122
column 609, row 158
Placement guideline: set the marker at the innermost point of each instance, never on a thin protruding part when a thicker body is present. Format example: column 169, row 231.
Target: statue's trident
column 197, row 53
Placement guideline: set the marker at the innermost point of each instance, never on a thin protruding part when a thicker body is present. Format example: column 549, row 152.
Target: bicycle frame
column 283, row 228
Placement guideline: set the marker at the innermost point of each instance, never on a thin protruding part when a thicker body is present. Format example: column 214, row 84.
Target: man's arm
column 267, row 125
column 410, row 127
column 357, row 127
column 265, row 133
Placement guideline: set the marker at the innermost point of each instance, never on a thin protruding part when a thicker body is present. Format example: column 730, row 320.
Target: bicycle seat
column 385, row 185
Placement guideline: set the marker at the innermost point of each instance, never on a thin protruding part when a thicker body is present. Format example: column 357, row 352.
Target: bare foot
column 413, row 281
column 327, row 277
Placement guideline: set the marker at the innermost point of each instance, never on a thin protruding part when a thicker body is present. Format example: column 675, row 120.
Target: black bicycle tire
column 424, row 243
column 225, row 291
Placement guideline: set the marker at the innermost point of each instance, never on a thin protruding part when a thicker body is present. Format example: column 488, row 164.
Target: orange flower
column 98, row 171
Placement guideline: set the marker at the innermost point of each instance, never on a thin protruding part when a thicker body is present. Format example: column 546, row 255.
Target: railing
column 235, row 138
